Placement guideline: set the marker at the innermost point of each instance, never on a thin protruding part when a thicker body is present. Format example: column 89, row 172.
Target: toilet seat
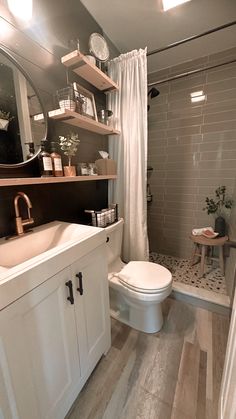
column 145, row 277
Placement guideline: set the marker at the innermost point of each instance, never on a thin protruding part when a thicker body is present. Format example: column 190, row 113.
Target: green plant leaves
column 69, row 144
column 218, row 204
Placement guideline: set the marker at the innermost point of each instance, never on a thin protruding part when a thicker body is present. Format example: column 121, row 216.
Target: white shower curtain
column 129, row 106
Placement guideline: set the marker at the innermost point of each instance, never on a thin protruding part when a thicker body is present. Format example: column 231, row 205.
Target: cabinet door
column 92, row 308
column 39, row 362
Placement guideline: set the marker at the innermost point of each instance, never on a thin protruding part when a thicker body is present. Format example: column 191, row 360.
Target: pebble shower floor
column 181, row 271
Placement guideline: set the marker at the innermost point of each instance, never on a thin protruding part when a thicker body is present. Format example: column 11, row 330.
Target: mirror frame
column 8, row 55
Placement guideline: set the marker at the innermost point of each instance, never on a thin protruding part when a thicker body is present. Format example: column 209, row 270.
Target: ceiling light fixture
column 169, row 4
column 197, row 96
column 198, row 99
column 21, row 9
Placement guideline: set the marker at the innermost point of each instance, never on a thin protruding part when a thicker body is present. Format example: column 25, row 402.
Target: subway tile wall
column 192, row 149
column 230, row 273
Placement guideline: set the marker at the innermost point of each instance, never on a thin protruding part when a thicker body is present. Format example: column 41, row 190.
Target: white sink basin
column 52, row 236
column 29, row 260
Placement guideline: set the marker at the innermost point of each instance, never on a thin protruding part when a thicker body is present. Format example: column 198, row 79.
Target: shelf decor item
column 5, row 118
column 217, row 206
column 56, row 160
column 88, row 102
column 45, row 161
column 105, row 117
column 69, row 146
column 98, row 47
column 91, row 59
column 105, row 166
column 66, row 98
column 104, row 217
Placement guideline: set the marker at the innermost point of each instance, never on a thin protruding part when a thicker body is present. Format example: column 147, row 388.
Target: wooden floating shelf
column 77, row 62
column 46, row 180
column 81, row 121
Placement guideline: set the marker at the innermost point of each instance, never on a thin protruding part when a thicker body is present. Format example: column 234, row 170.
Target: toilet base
column 146, row 318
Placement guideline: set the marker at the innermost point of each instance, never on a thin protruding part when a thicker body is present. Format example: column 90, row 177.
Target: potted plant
column 217, row 206
column 5, row 118
column 69, row 145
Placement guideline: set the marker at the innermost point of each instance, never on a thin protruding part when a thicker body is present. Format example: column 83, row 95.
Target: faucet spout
column 19, row 222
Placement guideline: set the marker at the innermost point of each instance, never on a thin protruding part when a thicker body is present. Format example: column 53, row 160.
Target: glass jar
column 105, row 116
column 92, row 170
column 82, row 169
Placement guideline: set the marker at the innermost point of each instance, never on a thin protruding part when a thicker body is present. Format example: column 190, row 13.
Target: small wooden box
column 106, row 166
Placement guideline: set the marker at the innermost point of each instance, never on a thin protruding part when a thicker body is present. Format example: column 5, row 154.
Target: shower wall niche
column 192, row 149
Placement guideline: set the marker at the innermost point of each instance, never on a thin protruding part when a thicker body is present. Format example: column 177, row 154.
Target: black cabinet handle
column 71, row 296
column 80, row 288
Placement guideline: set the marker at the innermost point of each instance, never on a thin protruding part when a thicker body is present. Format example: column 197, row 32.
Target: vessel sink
column 52, row 236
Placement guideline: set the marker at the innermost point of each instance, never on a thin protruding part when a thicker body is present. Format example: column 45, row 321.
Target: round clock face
column 98, row 47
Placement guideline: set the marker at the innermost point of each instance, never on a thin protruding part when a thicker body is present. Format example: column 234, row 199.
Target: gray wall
column 39, row 47
column 192, row 148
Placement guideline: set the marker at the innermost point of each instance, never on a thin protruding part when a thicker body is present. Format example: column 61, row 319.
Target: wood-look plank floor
column 174, row 374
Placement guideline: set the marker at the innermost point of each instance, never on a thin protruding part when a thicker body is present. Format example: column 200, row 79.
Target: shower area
column 191, row 152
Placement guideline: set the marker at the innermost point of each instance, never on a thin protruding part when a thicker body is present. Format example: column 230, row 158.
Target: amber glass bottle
column 56, row 161
column 45, row 161
column 31, row 151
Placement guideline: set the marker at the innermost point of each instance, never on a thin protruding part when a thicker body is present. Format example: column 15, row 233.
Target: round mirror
column 23, row 123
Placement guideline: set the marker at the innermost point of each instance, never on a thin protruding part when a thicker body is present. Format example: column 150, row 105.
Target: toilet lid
column 146, row 277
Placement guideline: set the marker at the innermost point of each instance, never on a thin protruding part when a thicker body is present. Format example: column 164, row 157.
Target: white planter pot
column 4, row 124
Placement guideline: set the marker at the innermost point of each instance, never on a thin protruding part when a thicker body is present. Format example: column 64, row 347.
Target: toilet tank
column 114, row 241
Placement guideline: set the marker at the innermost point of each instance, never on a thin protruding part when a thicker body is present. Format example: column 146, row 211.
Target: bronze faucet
column 19, row 222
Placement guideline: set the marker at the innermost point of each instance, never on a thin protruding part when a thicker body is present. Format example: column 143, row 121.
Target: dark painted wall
column 38, row 47
column 64, row 202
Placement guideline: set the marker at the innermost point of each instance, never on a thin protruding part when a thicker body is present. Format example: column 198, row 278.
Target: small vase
column 220, row 226
column 69, row 170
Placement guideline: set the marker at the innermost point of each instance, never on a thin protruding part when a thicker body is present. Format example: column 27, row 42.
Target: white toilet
column 136, row 289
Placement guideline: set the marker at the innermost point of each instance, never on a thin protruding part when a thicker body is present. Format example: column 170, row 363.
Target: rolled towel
column 199, row 231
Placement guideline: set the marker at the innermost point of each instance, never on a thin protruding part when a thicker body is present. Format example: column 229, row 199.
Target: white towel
column 199, row 231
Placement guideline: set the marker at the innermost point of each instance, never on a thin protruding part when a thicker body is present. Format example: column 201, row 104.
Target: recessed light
column 169, row 4
column 194, row 94
column 197, row 96
column 21, row 9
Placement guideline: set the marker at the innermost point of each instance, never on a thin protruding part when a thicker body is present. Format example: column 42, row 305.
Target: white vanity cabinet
column 52, row 338
column 39, row 352
column 91, row 308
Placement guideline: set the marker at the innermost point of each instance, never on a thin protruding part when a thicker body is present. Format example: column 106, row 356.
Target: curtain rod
column 191, row 38
column 189, row 73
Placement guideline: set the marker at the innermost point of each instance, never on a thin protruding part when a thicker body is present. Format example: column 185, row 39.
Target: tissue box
column 106, row 166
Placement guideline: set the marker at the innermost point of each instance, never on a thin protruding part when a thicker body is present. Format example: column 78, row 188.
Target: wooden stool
column 202, row 243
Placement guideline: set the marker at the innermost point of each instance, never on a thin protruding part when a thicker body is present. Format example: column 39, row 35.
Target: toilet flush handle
column 107, row 240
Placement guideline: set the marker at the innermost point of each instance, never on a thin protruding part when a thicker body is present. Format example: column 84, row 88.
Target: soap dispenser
column 56, row 160
column 45, row 161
